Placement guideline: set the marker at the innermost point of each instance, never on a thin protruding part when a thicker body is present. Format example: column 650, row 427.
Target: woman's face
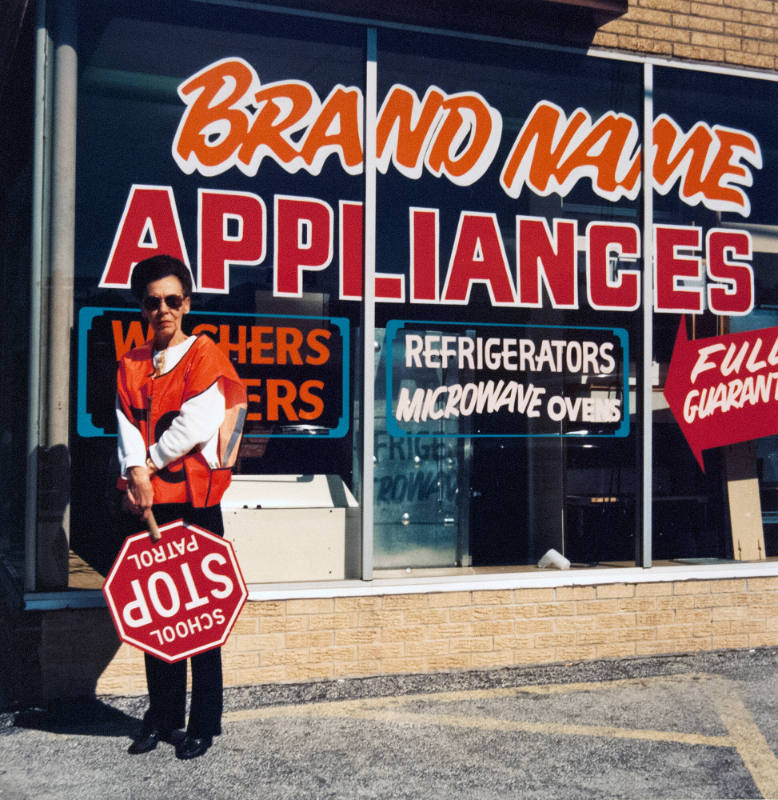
column 165, row 320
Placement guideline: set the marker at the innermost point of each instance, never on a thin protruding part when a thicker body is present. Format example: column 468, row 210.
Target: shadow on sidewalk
column 79, row 716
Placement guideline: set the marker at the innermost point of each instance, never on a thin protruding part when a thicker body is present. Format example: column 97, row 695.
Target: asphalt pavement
column 697, row 726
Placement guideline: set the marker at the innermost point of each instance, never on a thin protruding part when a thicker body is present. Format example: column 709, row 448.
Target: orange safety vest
column 152, row 403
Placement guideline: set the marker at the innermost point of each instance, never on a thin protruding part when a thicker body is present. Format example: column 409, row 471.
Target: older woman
column 180, row 409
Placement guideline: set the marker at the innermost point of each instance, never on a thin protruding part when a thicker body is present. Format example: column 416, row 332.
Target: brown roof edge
column 609, row 6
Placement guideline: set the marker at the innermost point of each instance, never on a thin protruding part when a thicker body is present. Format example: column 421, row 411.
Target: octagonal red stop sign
column 176, row 597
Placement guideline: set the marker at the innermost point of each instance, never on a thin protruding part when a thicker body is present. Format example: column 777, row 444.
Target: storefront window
column 212, row 133
column 16, row 159
column 509, row 242
column 504, row 425
column 716, row 182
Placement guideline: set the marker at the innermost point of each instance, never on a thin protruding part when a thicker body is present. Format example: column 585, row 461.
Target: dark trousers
column 167, row 682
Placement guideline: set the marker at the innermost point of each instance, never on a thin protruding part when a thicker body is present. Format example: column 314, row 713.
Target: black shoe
column 193, row 746
column 147, row 741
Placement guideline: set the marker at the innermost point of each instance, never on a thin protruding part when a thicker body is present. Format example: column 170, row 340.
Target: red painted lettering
column 424, row 232
column 733, row 290
column 351, row 246
column 547, row 259
column 609, row 289
column 230, row 230
column 674, row 261
column 478, row 257
column 149, row 226
column 303, row 241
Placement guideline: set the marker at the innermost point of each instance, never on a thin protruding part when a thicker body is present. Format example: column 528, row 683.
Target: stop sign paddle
column 177, row 595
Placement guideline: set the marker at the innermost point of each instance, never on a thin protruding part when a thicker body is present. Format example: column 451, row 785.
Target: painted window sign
column 232, row 120
column 545, row 271
column 724, row 389
column 293, row 368
column 506, row 380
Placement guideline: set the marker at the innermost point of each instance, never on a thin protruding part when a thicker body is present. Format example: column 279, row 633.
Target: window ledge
column 532, row 579
column 535, row 579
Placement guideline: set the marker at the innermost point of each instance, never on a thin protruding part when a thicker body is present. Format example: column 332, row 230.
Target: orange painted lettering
column 308, row 396
column 316, row 341
column 232, row 120
column 336, row 130
column 552, row 153
column 253, row 398
column 467, row 140
column 405, row 128
column 135, row 337
column 215, row 122
column 284, row 108
column 706, row 162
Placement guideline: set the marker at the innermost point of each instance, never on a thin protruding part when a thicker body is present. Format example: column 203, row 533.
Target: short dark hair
column 158, row 267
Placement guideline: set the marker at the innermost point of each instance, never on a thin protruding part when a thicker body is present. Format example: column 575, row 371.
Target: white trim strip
column 523, row 580
column 540, row 579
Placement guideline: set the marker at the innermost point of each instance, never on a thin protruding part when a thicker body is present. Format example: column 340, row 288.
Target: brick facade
column 736, row 33
column 337, row 637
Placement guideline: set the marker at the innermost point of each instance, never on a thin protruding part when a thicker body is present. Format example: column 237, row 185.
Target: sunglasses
column 152, row 303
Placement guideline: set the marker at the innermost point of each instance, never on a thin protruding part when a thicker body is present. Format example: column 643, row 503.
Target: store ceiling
column 613, row 6
column 572, row 21
column 576, row 20
column 11, row 17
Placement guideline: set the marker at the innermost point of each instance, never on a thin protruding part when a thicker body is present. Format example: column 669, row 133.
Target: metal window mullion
column 38, row 257
column 645, row 554
column 56, row 251
column 367, row 411
column 62, row 255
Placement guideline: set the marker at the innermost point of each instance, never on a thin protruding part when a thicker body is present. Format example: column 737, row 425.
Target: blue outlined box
column 618, row 336
column 97, row 348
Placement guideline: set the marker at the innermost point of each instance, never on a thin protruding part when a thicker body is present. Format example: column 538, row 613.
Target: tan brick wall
column 741, row 33
column 298, row 640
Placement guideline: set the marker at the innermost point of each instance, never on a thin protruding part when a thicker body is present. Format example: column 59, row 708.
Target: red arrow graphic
column 724, row 389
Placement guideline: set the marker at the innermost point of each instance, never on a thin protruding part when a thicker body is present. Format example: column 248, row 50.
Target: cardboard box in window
column 288, row 528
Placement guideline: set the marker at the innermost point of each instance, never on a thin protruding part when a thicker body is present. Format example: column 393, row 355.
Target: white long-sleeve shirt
column 197, row 423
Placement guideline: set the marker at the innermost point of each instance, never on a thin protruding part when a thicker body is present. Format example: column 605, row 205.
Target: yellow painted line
column 548, row 689
column 383, row 712
column 387, row 715
column 749, row 740
column 543, row 728
column 326, row 707
column 743, row 734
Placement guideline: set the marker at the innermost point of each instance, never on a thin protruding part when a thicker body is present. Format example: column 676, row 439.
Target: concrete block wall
column 735, row 33
column 299, row 640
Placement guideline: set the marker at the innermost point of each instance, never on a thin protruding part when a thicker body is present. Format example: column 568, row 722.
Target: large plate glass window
column 508, row 242
column 231, row 138
column 715, row 201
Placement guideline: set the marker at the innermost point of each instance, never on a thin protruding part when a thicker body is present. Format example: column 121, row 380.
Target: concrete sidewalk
column 667, row 727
